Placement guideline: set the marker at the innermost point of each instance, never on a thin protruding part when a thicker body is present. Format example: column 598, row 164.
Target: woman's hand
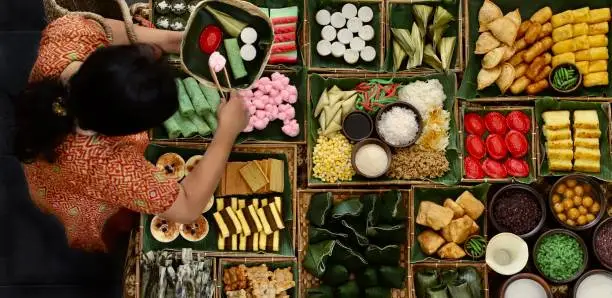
column 233, row 115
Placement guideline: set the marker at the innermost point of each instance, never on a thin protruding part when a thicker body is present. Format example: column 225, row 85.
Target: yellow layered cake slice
column 560, row 144
column 591, row 143
column 560, row 165
column 587, row 154
column 560, row 154
column 557, row 134
column 587, row 133
column 584, row 165
column 554, row 120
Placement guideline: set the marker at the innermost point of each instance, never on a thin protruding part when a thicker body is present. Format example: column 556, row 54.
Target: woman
column 81, row 131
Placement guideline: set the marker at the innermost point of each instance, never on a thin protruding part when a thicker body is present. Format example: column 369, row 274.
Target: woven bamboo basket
column 481, row 268
column 541, row 151
column 208, row 139
column 288, row 150
column 343, row 184
column 195, row 254
column 96, row 10
column 529, row 98
column 272, row 263
column 306, row 279
column 471, row 107
column 412, row 237
column 459, row 50
column 306, row 49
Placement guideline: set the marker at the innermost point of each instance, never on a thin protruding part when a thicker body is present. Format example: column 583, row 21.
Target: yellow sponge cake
column 560, row 165
column 556, row 119
column 562, row 154
column 557, row 134
column 588, row 154
column 584, row 165
column 587, row 143
column 560, row 144
column 587, row 133
column 586, row 119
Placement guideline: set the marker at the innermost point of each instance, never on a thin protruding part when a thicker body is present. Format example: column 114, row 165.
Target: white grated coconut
column 425, row 96
column 398, row 126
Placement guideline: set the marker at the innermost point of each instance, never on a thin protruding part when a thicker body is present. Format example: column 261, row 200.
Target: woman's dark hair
column 118, row 90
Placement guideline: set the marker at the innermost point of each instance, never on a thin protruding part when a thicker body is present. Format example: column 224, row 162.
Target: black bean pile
column 516, row 211
column 603, row 243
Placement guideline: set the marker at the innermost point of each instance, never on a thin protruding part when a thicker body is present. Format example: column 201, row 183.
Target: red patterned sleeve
column 65, row 40
column 138, row 185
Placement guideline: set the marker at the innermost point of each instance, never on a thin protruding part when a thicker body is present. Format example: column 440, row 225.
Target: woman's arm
column 198, row 188
column 200, row 185
column 169, row 41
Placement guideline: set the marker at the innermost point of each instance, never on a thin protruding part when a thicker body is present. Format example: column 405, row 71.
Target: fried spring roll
column 519, row 85
column 537, row 49
column 538, row 87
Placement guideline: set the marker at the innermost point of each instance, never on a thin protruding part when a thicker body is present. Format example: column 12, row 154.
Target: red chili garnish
column 210, row 39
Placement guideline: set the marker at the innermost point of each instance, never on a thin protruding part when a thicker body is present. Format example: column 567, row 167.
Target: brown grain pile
column 413, row 163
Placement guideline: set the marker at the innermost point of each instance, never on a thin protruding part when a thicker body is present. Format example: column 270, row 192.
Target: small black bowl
column 598, row 196
column 585, row 258
column 536, row 196
column 565, row 65
column 404, row 105
column 601, row 224
column 584, row 276
column 366, row 118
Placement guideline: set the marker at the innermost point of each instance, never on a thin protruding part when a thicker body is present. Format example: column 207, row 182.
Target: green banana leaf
column 282, row 4
column 209, row 243
column 400, row 16
column 527, row 8
column 438, row 195
column 272, row 265
column 528, row 157
column 273, row 132
column 448, row 81
column 197, row 61
column 315, row 35
column 545, row 104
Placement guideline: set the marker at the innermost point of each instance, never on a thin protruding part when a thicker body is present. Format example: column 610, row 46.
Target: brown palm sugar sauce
column 357, row 126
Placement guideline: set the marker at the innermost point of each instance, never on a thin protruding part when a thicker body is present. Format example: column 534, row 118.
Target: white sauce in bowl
column 595, row 285
column 525, row 288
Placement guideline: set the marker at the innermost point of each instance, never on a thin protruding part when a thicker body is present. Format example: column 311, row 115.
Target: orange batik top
column 95, row 179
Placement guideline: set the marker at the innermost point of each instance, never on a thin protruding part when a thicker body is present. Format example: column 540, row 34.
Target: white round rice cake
column 324, row 47
column 248, row 52
column 365, row 14
column 349, row 10
column 366, row 32
column 357, row 44
column 328, row 33
column 354, row 24
column 248, row 35
column 338, row 49
column 351, row 56
column 368, row 54
column 345, row 36
column 338, row 20
column 323, row 17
